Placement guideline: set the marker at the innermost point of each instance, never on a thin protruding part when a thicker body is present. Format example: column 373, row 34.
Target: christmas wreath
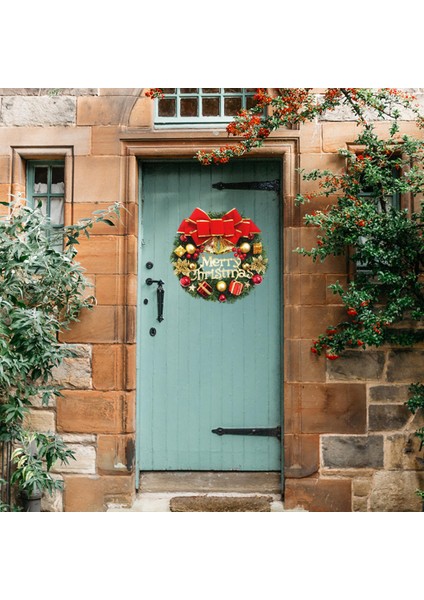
column 218, row 256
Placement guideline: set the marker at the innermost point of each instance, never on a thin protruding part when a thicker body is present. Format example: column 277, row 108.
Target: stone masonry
column 348, row 438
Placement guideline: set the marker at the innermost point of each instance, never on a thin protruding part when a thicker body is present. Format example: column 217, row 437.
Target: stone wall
column 349, row 442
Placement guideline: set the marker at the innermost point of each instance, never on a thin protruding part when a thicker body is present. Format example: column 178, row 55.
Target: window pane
column 189, row 90
column 168, row 90
column 210, row 107
column 252, row 90
column 250, row 102
column 43, row 206
column 166, row 107
column 188, row 107
column 232, row 90
column 57, row 211
column 40, row 180
column 211, row 90
column 232, row 106
column 58, row 180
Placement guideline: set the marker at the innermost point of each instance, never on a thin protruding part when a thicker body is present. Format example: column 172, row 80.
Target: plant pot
column 32, row 502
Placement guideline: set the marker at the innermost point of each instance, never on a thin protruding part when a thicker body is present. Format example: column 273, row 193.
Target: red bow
column 230, row 226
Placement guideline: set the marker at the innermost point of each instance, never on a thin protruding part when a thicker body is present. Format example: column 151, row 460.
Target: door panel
column 209, row 365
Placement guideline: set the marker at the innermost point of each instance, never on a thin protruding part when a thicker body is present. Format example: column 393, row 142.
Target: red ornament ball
column 185, row 281
column 222, row 298
column 257, row 279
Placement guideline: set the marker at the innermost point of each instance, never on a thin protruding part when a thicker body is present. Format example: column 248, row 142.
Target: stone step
column 211, row 481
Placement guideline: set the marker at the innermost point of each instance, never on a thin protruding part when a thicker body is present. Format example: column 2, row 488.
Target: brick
column 102, row 254
column 300, row 364
column 352, row 451
column 301, row 455
column 92, row 411
column 142, row 113
column 97, row 179
column 405, row 365
column 354, row 365
column 40, row 420
column 108, row 363
column 387, row 417
column 115, row 453
column 104, row 110
column 105, row 141
column 333, row 408
column 394, row 491
column 103, row 324
column 318, row 494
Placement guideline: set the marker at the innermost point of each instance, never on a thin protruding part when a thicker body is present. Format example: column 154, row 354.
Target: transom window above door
column 201, row 106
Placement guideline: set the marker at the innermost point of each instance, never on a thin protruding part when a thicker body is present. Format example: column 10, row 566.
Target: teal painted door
column 209, row 365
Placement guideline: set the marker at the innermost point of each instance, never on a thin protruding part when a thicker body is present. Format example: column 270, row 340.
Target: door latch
column 160, row 295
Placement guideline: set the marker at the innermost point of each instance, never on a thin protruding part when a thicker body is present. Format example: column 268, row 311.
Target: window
column 46, row 184
column 184, row 106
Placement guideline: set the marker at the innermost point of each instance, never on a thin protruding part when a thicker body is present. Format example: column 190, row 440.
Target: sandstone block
column 356, row 365
column 333, row 408
column 108, row 363
column 394, row 491
column 41, row 420
column 26, row 111
column 300, row 364
column 103, row 175
column 103, row 324
column 361, row 486
column 301, row 455
column 142, row 113
column 352, row 451
column 91, row 411
column 318, row 494
column 386, row 417
column 402, row 451
column 52, row 502
column 405, row 365
column 48, row 92
column 360, row 504
column 102, row 254
column 388, row 393
column 84, row 462
column 84, row 493
column 115, row 453
column 73, row 373
column 104, row 110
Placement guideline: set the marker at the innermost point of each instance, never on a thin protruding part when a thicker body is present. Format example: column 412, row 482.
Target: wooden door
column 209, row 365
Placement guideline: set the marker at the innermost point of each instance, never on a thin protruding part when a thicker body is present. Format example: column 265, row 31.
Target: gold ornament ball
column 221, row 286
column 190, row 249
column 192, row 266
column 245, row 247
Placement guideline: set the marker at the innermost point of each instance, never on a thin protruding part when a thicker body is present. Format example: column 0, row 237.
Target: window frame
column 199, row 120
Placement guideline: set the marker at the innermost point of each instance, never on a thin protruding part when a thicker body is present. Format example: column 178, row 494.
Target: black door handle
column 160, row 295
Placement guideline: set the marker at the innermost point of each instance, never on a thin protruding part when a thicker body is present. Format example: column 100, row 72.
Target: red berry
column 314, row 350
column 331, row 356
column 351, row 312
column 360, row 343
column 196, row 255
column 222, row 298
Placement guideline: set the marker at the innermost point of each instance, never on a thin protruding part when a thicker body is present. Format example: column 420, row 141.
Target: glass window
column 46, row 186
column 185, row 106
